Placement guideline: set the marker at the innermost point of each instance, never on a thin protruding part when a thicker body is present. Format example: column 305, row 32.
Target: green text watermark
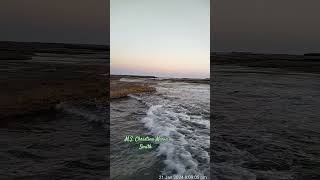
column 145, row 142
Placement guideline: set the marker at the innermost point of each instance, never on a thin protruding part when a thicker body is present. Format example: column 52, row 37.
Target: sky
column 66, row 21
column 270, row 26
column 267, row 26
column 164, row 38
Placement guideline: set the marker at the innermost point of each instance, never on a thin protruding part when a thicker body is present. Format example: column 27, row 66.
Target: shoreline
column 120, row 89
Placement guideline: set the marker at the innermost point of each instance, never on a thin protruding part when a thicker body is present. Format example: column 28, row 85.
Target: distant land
column 309, row 62
column 25, row 50
column 119, row 89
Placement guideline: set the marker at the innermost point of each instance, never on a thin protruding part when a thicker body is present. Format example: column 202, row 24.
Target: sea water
column 179, row 111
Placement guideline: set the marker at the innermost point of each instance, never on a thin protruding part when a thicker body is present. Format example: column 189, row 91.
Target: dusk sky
column 271, row 26
column 166, row 38
column 267, row 26
column 67, row 21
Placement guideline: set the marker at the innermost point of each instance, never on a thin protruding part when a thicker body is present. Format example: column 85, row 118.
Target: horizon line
column 151, row 76
column 42, row 42
column 264, row 53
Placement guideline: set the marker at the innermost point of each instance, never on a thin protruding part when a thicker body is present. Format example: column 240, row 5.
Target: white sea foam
column 175, row 113
column 135, row 97
column 78, row 111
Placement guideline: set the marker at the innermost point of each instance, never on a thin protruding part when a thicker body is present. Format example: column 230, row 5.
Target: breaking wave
column 181, row 113
column 90, row 115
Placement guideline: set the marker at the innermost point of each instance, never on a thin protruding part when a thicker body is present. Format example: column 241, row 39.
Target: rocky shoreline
column 120, row 89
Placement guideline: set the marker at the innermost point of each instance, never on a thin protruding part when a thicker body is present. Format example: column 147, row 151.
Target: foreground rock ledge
column 123, row 89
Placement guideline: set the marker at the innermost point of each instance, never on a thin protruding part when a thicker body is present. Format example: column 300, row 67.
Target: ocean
column 179, row 111
column 62, row 140
column 69, row 142
column 265, row 124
